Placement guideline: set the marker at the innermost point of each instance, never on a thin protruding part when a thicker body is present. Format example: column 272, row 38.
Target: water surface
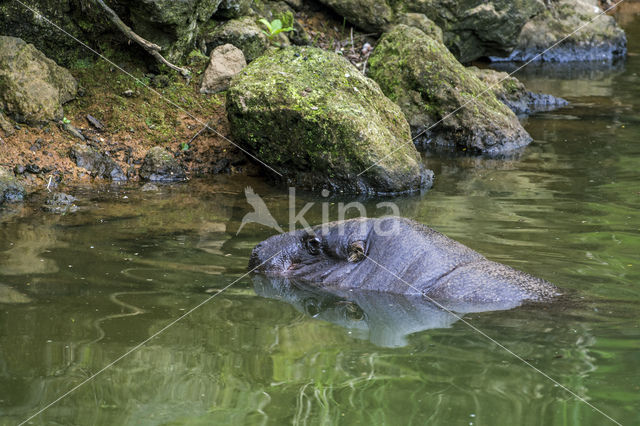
column 79, row 290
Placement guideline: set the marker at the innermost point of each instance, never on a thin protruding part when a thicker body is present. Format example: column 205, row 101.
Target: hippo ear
column 356, row 251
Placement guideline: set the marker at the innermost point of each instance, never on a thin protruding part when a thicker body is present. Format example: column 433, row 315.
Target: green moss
column 316, row 111
column 425, row 79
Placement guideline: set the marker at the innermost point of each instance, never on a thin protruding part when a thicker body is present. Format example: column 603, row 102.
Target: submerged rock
column 96, row 162
column 435, row 90
column 511, row 92
column 244, row 33
column 60, row 203
column 226, row 61
column 603, row 39
column 312, row 116
column 32, row 87
column 10, row 188
column 11, row 296
column 160, row 166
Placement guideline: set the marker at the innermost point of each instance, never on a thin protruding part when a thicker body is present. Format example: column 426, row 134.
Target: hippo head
column 314, row 253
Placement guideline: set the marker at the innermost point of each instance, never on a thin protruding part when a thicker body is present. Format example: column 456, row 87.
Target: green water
column 80, row 290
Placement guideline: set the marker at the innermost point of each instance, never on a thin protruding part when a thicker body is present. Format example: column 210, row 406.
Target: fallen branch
column 151, row 48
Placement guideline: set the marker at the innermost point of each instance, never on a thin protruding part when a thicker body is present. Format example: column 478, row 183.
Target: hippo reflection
column 383, row 318
column 398, row 256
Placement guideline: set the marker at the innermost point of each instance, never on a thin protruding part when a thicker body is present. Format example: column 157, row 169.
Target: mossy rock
column 160, row 166
column 369, row 15
column 447, row 106
column 603, row 39
column 477, row 28
column 421, row 22
column 244, row 33
column 171, row 24
column 10, row 188
column 32, row 86
column 313, row 117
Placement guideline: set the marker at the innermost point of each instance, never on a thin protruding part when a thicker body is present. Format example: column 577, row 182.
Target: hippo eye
column 355, row 251
column 313, row 244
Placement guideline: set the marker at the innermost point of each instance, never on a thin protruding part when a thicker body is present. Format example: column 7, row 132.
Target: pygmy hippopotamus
column 396, row 255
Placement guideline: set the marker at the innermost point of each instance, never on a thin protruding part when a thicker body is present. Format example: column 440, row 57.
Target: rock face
column 421, row 22
column 226, row 61
column 434, row 89
column 170, row 24
column 477, row 28
column 242, row 33
column 10, row 188
column 20, row 22
column 603, row 39
column 160, row 166
column 511, row 92
column 97, row 163
column 32, row 87
column 316, row 119
column 370, row 15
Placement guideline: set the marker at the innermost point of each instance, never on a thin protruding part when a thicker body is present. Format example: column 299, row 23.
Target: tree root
column 151, row 48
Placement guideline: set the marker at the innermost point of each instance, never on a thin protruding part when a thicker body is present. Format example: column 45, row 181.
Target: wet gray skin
column 396, row 255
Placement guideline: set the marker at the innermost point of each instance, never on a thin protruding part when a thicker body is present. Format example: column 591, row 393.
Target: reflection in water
column 382, row 318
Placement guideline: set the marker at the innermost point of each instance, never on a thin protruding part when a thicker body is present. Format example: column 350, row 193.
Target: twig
column 206, row 126
column 353, row 52
column 151, row 48
column 49, row 184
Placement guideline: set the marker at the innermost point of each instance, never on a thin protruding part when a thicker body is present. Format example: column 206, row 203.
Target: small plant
column 65, row 120
column 277, row 26
column 184, row 146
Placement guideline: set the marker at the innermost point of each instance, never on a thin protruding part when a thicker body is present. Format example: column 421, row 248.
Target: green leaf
column 276, row 25
column 266, row 24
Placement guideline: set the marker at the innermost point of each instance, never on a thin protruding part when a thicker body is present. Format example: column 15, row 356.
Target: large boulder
column 244, row 33
column 19, row 21
column 447, row 106
column 477, row 28
column 421, row 22
column 169, row 23
column 10, row 188
column 313, row 117
column 369, row 15
column 511, row 92
column 32, row 87
column 603, row 39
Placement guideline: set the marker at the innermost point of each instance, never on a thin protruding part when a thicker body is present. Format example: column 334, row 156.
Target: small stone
column 10, row 189
column 99, row 164
column 95, row 122
column 149, row 187
column 73, row 131
column 226, row 61
column 128, row 93
column 60, row 203
column 160, row 166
